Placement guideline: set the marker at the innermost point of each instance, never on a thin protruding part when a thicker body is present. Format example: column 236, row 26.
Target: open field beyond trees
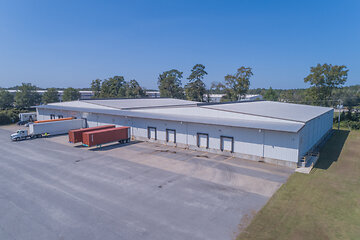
column 322, row 205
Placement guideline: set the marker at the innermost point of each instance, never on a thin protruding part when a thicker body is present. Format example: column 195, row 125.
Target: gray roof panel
column 140, row 103
column 267, row 125
column 278, row 110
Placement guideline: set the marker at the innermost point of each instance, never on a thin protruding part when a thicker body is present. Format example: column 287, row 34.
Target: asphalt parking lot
column 50, row 189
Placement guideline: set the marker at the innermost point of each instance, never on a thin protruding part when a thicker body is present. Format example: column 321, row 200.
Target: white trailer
column 29, row 117
column 48, row 128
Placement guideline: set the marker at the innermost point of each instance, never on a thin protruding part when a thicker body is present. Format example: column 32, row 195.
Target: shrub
column 353, row 125
column 9, row 116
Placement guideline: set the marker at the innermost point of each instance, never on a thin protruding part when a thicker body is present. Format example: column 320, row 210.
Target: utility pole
column 340, row 106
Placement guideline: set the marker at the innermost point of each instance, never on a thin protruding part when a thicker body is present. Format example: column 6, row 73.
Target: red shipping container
column 99, row 137
column 75, row 135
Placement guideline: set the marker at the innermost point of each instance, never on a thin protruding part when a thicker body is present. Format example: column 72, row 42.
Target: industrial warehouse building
column 274, row 132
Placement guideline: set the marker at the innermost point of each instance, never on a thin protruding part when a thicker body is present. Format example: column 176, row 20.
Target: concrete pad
column 51, row 189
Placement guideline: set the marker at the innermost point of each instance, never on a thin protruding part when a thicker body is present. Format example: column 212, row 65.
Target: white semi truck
column 37, row 130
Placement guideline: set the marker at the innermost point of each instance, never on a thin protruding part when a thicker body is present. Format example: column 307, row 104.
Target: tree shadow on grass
column 330, row 152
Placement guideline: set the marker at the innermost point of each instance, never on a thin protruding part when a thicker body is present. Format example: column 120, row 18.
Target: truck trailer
column 75, row 136
column 120, row 134
column 54, row 120
column 27, row 117
column 48, row 128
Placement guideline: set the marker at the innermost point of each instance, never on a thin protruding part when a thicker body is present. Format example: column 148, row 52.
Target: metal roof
column 140, row 103
column 232, row 122
column 277, row 110
column 207, row 112
column 77, row 104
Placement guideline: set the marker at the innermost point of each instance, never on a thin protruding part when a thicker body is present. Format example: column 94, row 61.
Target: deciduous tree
column 27, row 96
column 271, row 95
column 6, row 99
column 238, row 84
column 71, row 94
column 134, row 90
column 50, row 96
column 113, row 87
column 169, row 83
column 323, row 79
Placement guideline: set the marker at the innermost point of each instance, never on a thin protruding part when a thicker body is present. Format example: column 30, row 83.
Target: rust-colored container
column 99, row 137
column 75, row 135
column 54, row 120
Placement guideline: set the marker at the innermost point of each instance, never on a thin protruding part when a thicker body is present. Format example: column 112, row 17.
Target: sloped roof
column 275, row 125
column 259, row 114
column 140, row 103
column 278, row 110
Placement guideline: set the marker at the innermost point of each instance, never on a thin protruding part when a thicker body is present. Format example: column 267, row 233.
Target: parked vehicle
column 75, row 136
column 99, row 137
column 36, row 130
column 20, row 123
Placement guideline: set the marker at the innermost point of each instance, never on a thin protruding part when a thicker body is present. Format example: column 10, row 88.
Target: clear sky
column 69, row 43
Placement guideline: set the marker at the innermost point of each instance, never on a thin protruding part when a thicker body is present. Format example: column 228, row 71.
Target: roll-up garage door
column 171, row 135
column 227, row 144
column 203, row 140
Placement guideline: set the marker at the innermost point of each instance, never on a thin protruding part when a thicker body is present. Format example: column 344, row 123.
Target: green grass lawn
column 322, row 205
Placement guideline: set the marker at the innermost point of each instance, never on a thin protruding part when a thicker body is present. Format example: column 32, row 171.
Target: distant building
column 217, row 97
column 152, row 94
column 84, row 95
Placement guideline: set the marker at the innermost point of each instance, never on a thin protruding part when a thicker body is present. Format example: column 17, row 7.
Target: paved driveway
column 50, row 189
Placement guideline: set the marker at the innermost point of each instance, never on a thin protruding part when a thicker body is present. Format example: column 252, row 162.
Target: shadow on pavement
column 113, row 146
column 330, row 152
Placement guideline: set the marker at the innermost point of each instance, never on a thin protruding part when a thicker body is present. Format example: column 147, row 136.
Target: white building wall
column 248, row 143
column 281, row 145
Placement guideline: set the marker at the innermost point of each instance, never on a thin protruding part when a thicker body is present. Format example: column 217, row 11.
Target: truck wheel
column 17, row 139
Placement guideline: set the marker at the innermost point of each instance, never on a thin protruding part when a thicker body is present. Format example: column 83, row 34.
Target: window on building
column 226, row 143
column 171, row 135
column 152, row 134
column 203, row 140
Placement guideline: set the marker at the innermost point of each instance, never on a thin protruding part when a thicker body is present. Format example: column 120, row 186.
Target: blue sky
column 69, row 43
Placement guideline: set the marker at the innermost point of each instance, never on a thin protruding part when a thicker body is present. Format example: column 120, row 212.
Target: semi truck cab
column 19, row 135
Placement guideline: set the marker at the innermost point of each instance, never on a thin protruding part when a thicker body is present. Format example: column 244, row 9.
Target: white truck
column 48, row 128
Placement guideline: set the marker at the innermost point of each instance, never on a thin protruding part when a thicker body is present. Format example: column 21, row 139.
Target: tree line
column 27, row 96
column 170, row 85
column 325, row 89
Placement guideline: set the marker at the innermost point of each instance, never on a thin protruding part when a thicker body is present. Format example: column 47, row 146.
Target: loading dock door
column 227, row 144
column 203, row 140
column 152, row 133
column 171, row 135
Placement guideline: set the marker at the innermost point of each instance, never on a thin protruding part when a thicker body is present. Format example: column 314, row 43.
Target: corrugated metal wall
column 314, row 131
